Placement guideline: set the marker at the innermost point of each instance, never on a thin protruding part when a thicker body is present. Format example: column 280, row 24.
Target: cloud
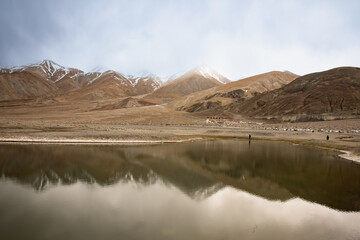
column 236, row 38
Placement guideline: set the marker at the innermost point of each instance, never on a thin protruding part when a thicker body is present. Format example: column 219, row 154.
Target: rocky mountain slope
column 236, row 91
column 324, row 95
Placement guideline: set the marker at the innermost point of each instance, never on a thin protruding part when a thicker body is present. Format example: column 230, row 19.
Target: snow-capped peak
column 48, row 68
column 51, row 67
column 114, row 73
column 145, row 76
column 208, row 72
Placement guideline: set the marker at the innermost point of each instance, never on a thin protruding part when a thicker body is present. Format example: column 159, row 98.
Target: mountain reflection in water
column 272, row 170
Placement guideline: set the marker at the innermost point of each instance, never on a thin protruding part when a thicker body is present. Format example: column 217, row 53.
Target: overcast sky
column 236, row 38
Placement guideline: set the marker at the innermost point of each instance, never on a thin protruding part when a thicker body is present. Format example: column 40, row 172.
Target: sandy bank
column 88, row 141
column 348, row 142
column 350, row 156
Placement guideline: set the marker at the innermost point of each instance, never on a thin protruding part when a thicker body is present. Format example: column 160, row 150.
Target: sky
column 237, row 38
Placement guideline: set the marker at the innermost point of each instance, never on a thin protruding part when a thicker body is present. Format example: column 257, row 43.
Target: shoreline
column 342, row 136
column 350, row 156
column 89, row 141
column 344, row 154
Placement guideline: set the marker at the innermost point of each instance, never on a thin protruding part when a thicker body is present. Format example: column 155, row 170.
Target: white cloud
column 236, row 38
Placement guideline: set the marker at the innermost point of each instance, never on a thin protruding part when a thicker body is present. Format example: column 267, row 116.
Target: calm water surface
column 201, row 190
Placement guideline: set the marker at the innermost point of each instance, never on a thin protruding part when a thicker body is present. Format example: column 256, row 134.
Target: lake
column 223, row 189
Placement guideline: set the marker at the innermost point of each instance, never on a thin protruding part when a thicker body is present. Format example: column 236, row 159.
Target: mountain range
column 49, row 79
column 201, row 92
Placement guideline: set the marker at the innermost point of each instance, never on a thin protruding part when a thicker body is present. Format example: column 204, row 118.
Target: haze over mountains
column 201, row 92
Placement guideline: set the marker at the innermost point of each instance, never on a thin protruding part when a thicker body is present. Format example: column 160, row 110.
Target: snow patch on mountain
column 207, row 72
column 61, row 77
column 77, row 75
column 16, row 69
column 48, row 67
column 133, row 80
column 144, row 76
column 95, row 78
column 51, row 67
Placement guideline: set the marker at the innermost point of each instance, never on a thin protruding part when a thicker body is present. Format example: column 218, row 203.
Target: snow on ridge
column 77, row 75
column 116, row 75
column 55, row 72
column 158, row 82
column 15, row 69
column 22, row 68
column 133, row 81
column 94, row 79
column 117, row 78
column 50, row 67
column 61, row 77
column 207, row 72
column 145, row 76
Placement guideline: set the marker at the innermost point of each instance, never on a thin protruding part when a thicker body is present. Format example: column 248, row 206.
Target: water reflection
column 201, row 190
column 276, row 171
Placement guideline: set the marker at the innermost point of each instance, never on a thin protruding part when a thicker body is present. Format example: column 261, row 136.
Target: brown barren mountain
column 74, row 80
column 28, row 82
column 327, row 95
column 220, row 96
column 193, row 81
column 106, row 85
column 111, row 85
column 44, row 80
column 49, row 80
column 24, row 85
column 129, row 102
column 145, row 84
